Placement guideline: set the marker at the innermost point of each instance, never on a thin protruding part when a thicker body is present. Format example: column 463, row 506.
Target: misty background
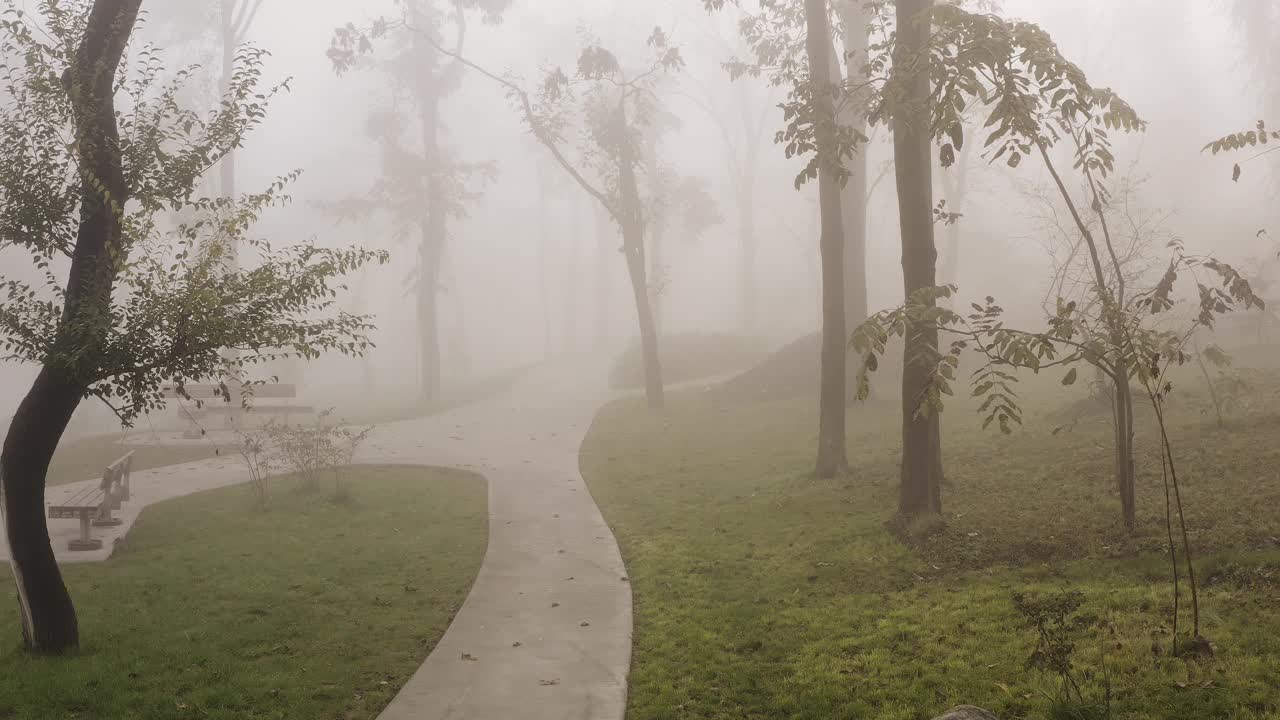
column 534, row 272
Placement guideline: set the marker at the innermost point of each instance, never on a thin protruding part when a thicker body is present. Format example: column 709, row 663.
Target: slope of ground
column 214, row 609
column 762, row 593
column 688, row 356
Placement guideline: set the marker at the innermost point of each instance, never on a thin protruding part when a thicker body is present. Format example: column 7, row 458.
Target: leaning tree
column 608, row 106
column 123, row 305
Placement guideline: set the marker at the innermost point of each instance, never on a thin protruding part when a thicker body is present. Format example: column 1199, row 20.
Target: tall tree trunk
column 920, row 490
column 855, row 19
column 1125, row 470
column 657, row 223
column 832, row 459
column 606, row 246
column 657, row 275
column 633, row 232
column 653, row 391
column 48, row 616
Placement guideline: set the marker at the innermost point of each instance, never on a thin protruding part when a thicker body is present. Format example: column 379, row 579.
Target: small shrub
column 1058, row 624
column 254, row 447
column 312, row 450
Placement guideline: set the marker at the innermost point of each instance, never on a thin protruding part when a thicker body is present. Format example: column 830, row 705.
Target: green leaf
column 1070, row 379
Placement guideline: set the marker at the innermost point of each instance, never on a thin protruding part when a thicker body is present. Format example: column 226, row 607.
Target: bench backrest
column 205, row 391
column 117, row 473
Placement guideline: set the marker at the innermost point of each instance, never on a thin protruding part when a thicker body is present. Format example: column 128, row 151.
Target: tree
column 920, row 489
column 1034, row 99
column 611, row 107
column 741, row 123
column 139, row 306
column 427, row 187
column 832, row 459
column 776, row 34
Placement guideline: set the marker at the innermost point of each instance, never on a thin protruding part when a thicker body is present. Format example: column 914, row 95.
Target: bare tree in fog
column 741, row 122
column 427, row 187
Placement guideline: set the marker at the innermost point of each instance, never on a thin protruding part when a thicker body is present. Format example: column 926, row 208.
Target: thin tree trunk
column 648, row 328
column 920, row 489
column 632, row 224
column 832, row 459
column 606, row 246
column 48, row 616
column 1125, row 466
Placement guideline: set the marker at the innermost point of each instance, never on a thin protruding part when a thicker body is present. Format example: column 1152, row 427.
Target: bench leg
column 84, row 542
column 105, row 518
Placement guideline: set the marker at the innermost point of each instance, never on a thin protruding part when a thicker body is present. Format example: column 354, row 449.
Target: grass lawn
column 85, row 458
column 310, row 609
column 763, row 593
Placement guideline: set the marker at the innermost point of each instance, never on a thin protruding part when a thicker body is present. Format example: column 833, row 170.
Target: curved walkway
column 545, row 633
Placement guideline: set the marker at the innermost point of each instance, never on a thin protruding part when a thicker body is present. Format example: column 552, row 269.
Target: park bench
column 212, row 401
column 93, row 505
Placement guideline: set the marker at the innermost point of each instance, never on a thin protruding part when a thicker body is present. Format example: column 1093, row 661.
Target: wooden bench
column 213, row 402
column 93, row 505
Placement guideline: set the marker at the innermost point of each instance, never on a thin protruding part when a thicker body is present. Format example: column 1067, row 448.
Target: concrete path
column 146, row 487
column 545, row 633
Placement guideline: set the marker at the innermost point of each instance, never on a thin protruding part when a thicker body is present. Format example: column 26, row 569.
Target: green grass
column 85, row 458
column 310, row 609
column 763, row 593
column 688, row 356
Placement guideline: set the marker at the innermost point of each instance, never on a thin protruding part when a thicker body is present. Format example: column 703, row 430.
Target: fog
column 1187, row 72
column 611, row 231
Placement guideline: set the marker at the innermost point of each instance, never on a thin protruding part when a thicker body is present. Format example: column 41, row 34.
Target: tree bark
column 605, row 246
column 48, row 616
column 1125, row 467
column 832, row 458
column 633, row 232
column 920, row 489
